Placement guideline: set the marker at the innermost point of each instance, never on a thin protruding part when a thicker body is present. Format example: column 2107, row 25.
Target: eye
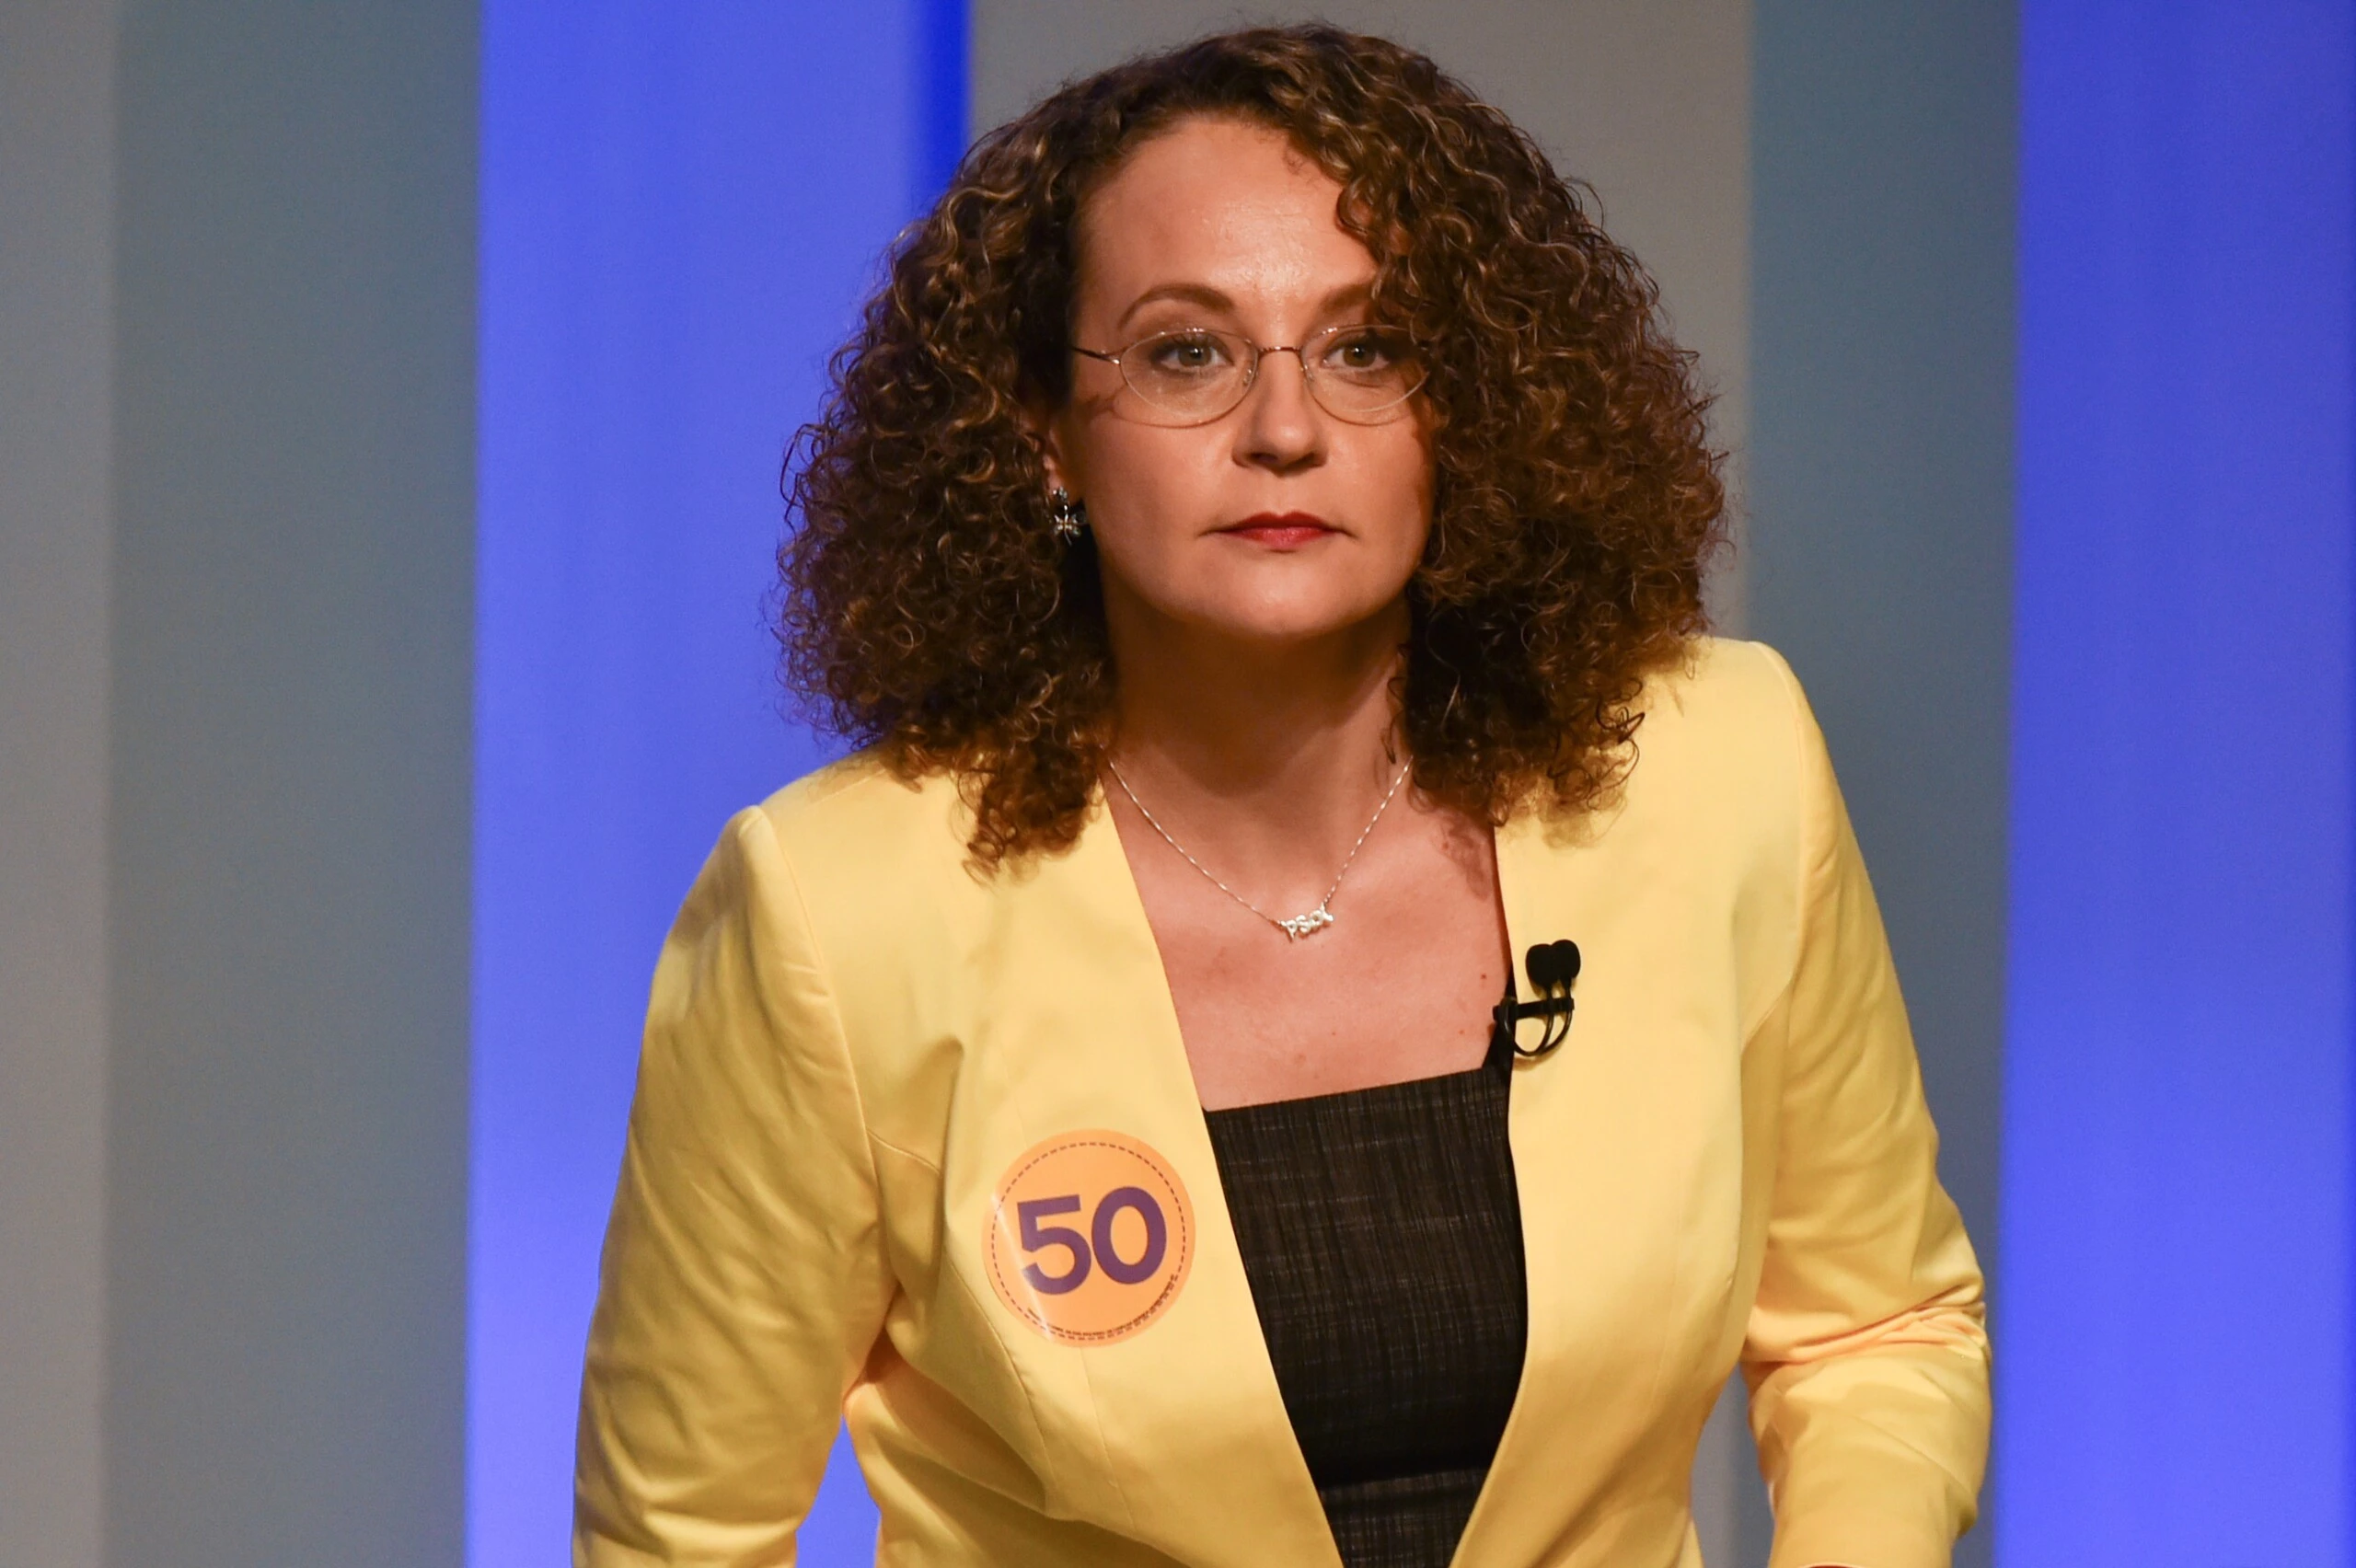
column 1187, row 354
column 1365, row 350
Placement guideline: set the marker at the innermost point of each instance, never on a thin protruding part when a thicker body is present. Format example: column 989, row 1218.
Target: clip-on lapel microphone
column 1552, row 966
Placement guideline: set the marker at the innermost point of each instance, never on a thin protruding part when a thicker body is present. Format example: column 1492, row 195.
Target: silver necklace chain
column 1299, row 926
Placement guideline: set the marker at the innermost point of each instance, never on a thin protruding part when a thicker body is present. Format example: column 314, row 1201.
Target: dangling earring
column 1068, row 517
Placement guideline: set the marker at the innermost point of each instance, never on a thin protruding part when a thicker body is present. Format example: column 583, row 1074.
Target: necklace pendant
column 1307, row 924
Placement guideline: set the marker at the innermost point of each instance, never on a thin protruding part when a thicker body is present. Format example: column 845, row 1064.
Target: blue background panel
column 681, row 208
column 2173, row 1345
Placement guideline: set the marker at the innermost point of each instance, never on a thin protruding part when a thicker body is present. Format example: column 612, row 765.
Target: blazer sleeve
column 744, row 1281
column 1866, row 1353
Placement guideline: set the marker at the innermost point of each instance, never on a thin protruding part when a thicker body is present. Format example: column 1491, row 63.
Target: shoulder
column 1721, row 778
column 854, row 825
column 1726, row 727
column 1724, row 692
column 867, row 858
column 856, row 807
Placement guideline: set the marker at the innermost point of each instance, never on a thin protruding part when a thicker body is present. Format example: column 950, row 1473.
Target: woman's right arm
column 744, row 1280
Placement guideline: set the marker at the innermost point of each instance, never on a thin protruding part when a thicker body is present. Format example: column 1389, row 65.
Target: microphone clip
column 1551, row 966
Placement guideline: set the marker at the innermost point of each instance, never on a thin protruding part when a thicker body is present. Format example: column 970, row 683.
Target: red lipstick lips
column 1281, row 530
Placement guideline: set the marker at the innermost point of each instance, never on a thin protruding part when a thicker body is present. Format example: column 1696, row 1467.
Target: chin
column 1290, row 624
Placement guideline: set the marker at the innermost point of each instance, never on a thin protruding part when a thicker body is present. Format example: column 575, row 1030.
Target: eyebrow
column 1212, row 299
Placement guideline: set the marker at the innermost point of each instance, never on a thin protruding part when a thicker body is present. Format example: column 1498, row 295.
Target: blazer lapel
column 1609, row 1134
column 1185, row 1413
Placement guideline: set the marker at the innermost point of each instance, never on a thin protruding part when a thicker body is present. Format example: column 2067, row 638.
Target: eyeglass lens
column 1355, row 373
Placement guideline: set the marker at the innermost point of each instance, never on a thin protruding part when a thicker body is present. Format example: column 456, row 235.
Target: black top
column 1381, row 1234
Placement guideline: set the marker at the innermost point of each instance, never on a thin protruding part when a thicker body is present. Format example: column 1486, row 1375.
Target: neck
column 1271, row 754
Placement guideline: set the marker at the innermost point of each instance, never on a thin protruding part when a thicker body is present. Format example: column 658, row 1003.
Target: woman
column 1326, row 1017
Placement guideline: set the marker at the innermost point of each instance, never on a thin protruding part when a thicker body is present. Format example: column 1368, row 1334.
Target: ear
column 1040, row 424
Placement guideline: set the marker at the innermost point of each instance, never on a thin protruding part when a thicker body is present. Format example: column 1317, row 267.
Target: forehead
column 1224, row 204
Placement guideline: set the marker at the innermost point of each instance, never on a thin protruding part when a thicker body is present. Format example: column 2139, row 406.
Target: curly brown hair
column 929, row 611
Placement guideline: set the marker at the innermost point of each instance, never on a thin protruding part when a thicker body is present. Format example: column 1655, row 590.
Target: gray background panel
column 56, row 218
column 291, row 714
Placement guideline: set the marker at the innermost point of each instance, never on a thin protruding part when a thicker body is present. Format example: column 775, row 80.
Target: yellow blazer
column 855, row 1045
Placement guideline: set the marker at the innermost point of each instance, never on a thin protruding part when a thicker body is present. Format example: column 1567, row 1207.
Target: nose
column 1282, row 428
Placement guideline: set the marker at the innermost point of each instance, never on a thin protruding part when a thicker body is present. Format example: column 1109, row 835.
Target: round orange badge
column 1090, row 1237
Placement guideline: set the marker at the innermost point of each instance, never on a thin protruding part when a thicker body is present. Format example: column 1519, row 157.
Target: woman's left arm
column 1866, row 1351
